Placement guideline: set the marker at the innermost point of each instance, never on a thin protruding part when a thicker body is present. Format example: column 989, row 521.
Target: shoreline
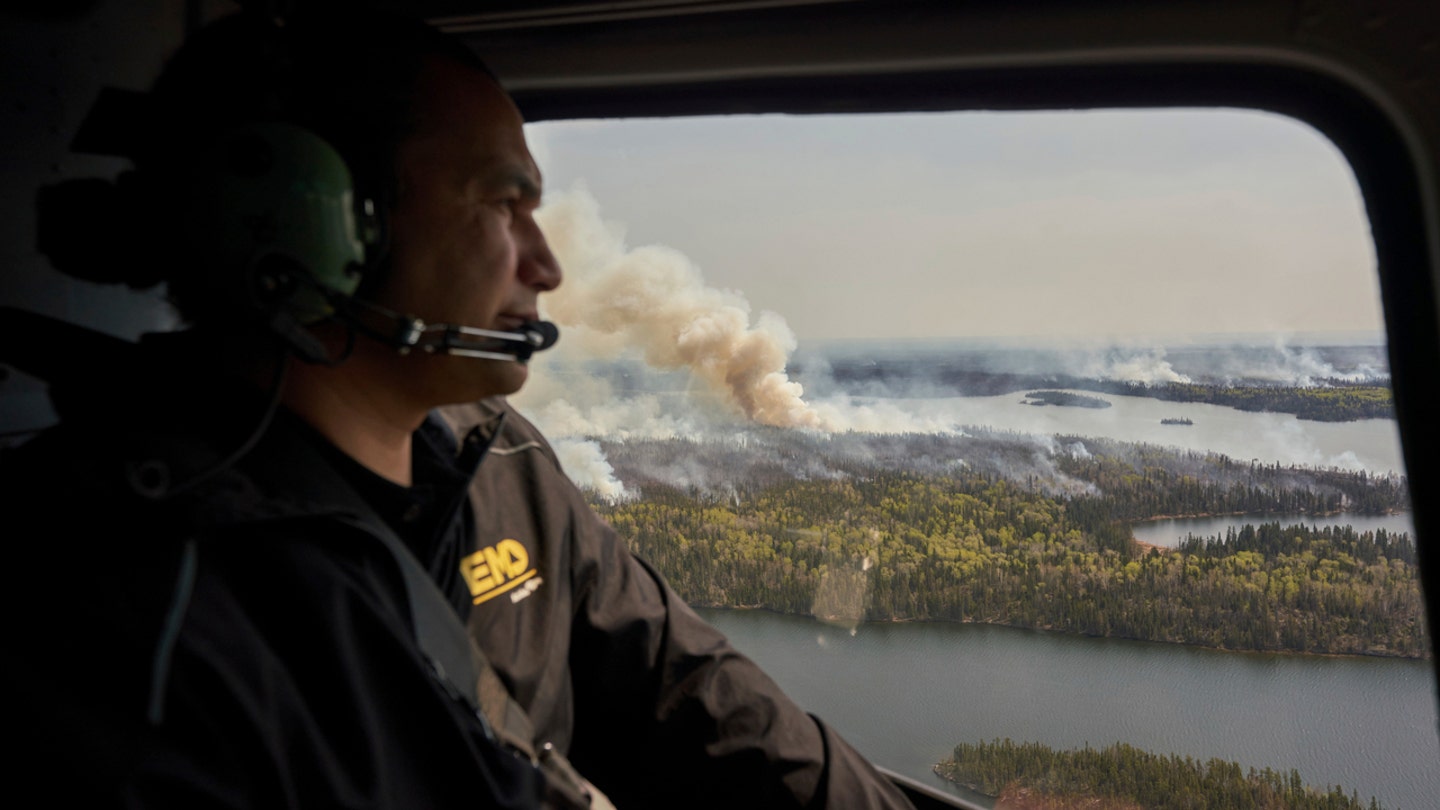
column 1208, row 515
column 839, row 623
column 1145, row 547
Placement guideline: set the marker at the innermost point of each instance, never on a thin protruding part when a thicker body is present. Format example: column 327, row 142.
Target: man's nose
column 538, row 266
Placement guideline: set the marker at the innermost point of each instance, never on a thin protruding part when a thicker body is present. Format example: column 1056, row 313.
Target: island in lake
column 1032, row 776
column 1181, row 420
column 1064, row 399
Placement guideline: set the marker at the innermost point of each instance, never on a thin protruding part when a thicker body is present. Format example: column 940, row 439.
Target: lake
column 905, row 693
column 1368, row 444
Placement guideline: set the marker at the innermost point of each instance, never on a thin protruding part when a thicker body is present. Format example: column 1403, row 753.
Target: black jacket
column 649, row 701
column 245, row 643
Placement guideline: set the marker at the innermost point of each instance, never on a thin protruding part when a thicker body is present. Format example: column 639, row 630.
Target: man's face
column 465, row 248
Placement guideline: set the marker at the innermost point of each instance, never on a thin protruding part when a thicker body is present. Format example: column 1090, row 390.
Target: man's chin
column 505, row 377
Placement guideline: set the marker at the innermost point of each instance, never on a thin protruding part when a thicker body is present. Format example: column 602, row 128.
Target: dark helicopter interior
column 1366, row 75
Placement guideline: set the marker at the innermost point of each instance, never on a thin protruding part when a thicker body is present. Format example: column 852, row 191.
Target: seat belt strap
column 456, row 660
column 461, row 665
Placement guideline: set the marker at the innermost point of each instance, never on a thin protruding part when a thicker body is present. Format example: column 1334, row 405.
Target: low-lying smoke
column 653, row 299
column 585, row 464
column 1147, row 366
column 1304, row 366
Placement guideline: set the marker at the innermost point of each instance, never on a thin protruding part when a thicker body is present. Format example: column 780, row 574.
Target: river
column 905, row 693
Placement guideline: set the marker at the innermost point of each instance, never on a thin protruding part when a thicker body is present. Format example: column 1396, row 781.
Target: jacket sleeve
column 711, row 729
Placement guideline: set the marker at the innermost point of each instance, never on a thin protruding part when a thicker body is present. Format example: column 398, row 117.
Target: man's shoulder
column 70, row 477
column 130, row 493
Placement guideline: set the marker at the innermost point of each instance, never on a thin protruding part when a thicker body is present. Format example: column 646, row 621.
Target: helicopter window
column 1007, row 438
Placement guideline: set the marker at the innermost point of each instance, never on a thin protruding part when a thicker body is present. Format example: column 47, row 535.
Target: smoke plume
column 652, row 354
column 653, row 299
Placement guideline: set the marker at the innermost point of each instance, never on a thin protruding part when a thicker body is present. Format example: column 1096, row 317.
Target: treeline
column 1141, row 482
column 971, row 547
column 1339, row 543
column 1122, row 774
column 1323, row 403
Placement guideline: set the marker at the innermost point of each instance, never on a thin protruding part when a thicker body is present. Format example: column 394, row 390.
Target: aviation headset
column 260, row 217
column 282, row 229
column 276, row 228
column 276, row 206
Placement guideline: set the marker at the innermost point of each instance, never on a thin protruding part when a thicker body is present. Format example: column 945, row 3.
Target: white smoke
column 846, row 414
column 1303, row 366
column 586, row 465
column 655, row 301
column 639, row 417
column 1147, row 366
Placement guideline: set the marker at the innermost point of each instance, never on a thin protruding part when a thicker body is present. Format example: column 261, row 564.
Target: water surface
column 904, row 694
column 1369, row 444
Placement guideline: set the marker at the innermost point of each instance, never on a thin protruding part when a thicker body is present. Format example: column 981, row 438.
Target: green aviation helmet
column 274, row 209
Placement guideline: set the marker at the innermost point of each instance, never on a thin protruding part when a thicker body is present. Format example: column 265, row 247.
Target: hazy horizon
column 1128, row 224
column 1308, row 339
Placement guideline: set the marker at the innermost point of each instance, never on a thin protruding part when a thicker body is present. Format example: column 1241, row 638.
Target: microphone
column 486, row 344
column 411, row 333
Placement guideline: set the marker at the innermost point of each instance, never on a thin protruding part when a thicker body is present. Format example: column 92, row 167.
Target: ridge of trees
column 1143, row 480
column 1121, row 775
column 865, row 540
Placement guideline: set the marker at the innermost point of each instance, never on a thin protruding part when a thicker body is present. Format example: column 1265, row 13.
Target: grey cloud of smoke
column 684, row 360
column 655, row 301
column 652, row 303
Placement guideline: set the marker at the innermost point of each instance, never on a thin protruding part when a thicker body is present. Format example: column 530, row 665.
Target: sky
column 1125, row 225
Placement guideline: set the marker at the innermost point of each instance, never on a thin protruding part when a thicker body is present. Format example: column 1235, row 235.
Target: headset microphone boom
column 486, row 344
column 412, row 334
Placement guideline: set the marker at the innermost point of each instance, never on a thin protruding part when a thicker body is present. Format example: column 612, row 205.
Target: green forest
column 1123, row 776
column 1050, row 551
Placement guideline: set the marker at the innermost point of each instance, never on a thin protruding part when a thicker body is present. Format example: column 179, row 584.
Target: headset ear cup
column 274, row 208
